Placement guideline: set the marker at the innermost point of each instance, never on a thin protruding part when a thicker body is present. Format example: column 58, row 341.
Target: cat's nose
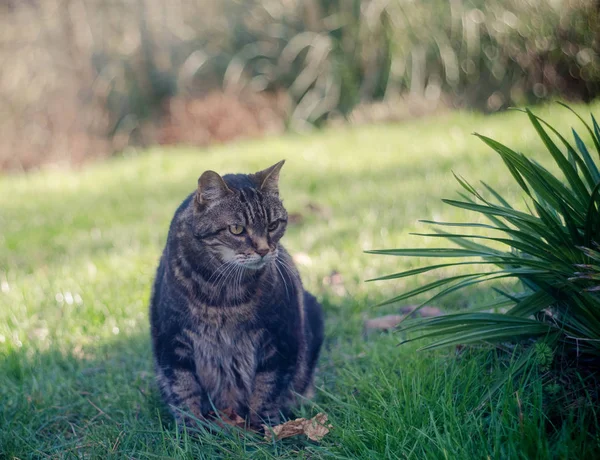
column 262, row 251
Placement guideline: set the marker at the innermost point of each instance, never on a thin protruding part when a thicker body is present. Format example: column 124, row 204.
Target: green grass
column 78, row 252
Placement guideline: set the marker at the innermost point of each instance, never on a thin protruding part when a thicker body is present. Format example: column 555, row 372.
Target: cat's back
column 164, row 299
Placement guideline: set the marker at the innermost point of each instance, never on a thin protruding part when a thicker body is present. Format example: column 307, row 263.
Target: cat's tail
column 313, row 315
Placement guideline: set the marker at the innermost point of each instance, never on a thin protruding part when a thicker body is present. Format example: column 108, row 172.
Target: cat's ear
column 268, row 179
column 211, row 187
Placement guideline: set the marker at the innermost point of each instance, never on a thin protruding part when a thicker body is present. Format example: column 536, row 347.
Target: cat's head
column 239, row 218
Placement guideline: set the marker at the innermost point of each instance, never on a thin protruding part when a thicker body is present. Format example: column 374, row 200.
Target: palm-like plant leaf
column 551, row 249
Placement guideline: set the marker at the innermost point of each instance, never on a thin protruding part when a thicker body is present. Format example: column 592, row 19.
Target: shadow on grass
column 101, row 401
column 60, row 395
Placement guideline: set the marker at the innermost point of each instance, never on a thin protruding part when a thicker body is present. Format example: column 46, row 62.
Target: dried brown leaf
column 229, row 417
column 315, row 428
column 388, row 322
column 335, row 281
column 430, row 312
column 321, row 211
column 295, row 218
column 383, row 323
column 426, row 311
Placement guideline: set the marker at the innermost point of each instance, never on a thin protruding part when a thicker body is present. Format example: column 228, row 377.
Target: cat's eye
column 236, row 229
column 273, row 226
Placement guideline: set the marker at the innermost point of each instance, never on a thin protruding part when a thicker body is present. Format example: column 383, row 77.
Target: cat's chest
column 226, row 362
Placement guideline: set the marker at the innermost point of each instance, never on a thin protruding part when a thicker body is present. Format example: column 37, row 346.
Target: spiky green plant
column 550, row 249
column 590, row 271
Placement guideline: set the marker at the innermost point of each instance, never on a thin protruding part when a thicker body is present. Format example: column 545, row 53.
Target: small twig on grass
column 100, row 412
column 117, row 441
column 72, row 428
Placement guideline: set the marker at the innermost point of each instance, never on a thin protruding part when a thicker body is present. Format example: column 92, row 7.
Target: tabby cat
column 232, row 327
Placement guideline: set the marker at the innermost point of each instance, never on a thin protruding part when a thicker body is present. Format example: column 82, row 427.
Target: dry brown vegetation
column 87, row 78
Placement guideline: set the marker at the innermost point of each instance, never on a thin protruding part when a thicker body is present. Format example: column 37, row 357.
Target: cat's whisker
column 287, row 294
column 222, row 278
column 237, row 283
column 212, row 257
column 225, row 276
column 244, row 270
column 218, row 273
column 289, row 270
column 232, row 285
column 234, row 281
column 218, row 270
column 233, row 275
column 239, row 280
column 286, row 266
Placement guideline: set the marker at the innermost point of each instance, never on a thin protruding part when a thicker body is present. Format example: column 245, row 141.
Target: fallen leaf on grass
column 335, row 282
column 295, row 218
column 228, row 417
column 319, row 210
column 315, row 428
column 389, row 322
column 335, row 279
column 322, row 212
column 383, row 323
column 428, row 312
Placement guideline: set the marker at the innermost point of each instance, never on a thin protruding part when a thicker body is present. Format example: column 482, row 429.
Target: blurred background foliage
column 87, row 78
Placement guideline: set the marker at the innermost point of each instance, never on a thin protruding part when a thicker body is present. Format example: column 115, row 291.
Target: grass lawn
column 78, row 250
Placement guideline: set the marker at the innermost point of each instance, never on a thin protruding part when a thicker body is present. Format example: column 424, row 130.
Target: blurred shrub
column 328, row 54
column 487, row 54
column 50, row 108
column 221, row 117
column 493, row 53
column 86, row 77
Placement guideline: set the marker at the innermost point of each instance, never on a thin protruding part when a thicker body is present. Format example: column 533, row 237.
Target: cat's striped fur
column 232, row 327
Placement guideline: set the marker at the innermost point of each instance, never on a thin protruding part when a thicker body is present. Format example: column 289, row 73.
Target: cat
column 232, row 326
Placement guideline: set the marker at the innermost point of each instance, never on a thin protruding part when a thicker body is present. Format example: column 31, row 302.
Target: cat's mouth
column 255, row 264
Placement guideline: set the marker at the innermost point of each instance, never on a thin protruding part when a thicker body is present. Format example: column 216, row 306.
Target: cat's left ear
column 268, row 179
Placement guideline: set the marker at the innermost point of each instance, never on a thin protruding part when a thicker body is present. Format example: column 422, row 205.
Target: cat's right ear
column 211, row 187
